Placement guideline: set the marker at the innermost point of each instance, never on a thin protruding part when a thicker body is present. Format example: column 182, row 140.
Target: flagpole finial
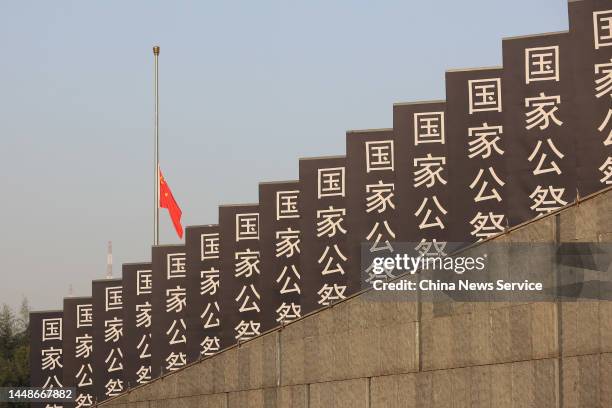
column 156, row 49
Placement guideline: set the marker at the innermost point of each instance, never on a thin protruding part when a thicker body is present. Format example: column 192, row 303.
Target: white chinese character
column 246, row 330
column 113, row 330
column 429, row 170
column 542, row 111
column 209, row 281
column 606, row 170
column 208, row 317
column 603, row 127
column 328, row 269
column 143, row 315
column 83, row 346
column 428, row 128
column 114, row 386
column 542, row 64
column 603, row 84
column 84, row 375
column 553, row 167
column 84, row 315
column 287, row 204
column 493, row 193
column 329, row 221
column 485, row 95
column 247, row 298
column 431, row 248
column 485, row 141
column 425, row 222
column 144, row 282
column 176, row 331
column 285, row 274
column 52, row 329
column 174, row 361
column 330, row 293
column 379, row 236
column 287, row 243
column 52, row 382
column 114, row 298
column 380, row 197
column 210, row 346
column 176, row 265
column 115, row 357
column 288, row 312
column 330, row 182
column 247, row 263
column 83, row 400
column 143, row 375
column 209, row 246
column 486, row 226
column 385, row 275
column 602, row 27
column 247, row 226
column 546, row 200
column 51, row 358
column 176, row 299
column 143, row 346
column 379, row 155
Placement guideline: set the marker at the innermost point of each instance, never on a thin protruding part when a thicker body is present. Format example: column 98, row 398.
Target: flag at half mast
column 166, row 200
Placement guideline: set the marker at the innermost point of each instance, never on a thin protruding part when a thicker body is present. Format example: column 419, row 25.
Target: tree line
column 14, row 346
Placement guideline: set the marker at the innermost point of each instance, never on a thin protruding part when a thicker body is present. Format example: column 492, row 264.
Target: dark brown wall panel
column 108, row 337
column 424, row 199
column 540, row 117
column 280, row 249
column 324, row 258
column 138, row 315
column 591, row 44
column 46, row 353
column 477, row 151
column 170, row 304
column 203, row 291
column 242, row 286
column 371, row 182
column 78, row 349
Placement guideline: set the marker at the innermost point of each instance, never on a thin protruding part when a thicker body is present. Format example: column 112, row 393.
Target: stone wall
column 365, row 354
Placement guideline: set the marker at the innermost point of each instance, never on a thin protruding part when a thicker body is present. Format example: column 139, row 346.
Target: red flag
column 166, row 200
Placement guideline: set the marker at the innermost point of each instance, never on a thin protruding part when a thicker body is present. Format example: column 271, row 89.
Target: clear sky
column 247, row 87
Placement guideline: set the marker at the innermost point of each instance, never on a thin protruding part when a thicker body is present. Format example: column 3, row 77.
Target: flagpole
column 156, row 152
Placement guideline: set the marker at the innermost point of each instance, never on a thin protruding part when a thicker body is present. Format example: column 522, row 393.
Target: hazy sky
column 247, row 87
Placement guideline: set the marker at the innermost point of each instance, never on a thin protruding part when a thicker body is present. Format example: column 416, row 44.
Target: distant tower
column 109, row 261
column 70, row 291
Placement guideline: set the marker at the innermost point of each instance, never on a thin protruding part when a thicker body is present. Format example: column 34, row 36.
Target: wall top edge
column 523, row 37
column 279, row 182
column 200, row 226
column 369, row 130
column 168, row 246
column 475, row 69
column 239, row 205
column 46, row 311
column 323, row 157
column 135, row 263
column 419, row 102
column 77, row 297
column 106, row 280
